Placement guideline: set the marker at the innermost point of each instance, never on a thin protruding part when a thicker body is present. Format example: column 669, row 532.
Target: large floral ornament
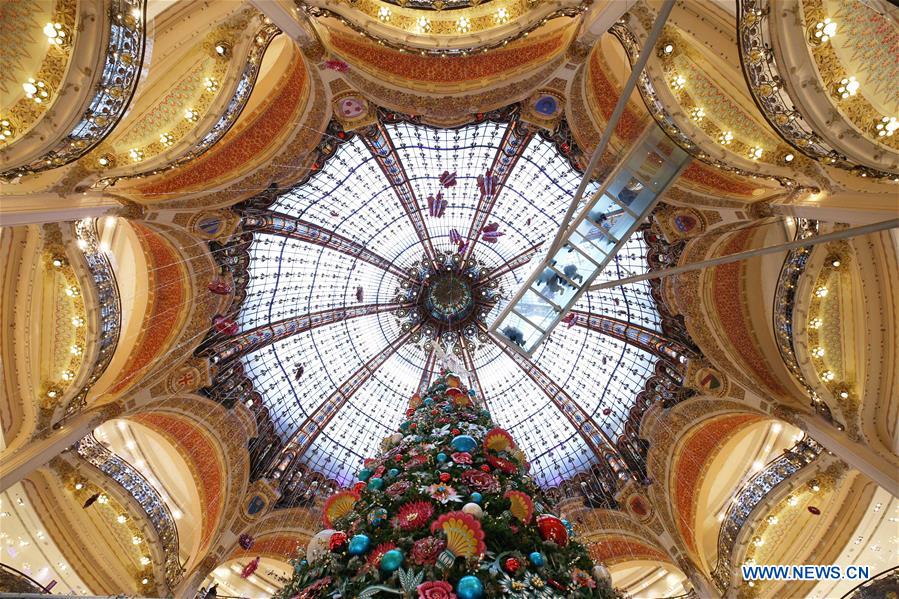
column 414, row 515
column 398, row 488
column 435, row 589
column 316, row 589
column 337, row 506
column 461, row 457
column 480, row 481
column 425, row 551
column 522, row 505
column 442, row 493
column 502, row 464
column 464, row 536
column 498, row 440
column 582, row 578
column 511, row 587
column 374, row 558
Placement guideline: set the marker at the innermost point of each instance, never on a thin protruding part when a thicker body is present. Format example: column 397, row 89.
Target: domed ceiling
column 405, row 222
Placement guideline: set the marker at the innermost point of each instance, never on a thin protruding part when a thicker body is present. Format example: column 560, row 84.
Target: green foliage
column 432, row 423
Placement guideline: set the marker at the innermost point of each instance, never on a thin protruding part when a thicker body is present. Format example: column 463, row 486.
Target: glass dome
column 399, row 216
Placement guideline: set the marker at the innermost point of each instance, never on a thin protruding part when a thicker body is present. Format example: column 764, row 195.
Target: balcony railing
column 751, row 494
column 108, row 307
column 878, row 586
column 146, row 496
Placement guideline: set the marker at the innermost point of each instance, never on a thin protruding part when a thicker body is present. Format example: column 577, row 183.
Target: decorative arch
column 213, row 443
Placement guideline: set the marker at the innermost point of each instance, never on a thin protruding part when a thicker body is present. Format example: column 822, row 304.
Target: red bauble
column 557, row 584
column 456, row 432
column 552, row 529
column 485, row 468
column 444, row 477
column 337, row 542
column 359, row 487
column 511, row 565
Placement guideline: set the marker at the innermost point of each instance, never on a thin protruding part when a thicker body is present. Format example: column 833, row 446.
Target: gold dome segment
column 448, row 28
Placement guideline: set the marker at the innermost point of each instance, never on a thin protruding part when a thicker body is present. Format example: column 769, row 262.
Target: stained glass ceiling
column 338, row 389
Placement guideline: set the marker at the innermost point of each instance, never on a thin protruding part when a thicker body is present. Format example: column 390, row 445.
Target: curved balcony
column 146, row 496
column 14, row 581
column 752, row 494
column 104, row 313
column 878, row 586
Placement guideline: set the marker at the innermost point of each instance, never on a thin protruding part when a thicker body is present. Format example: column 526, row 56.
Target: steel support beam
column 316, row 422
column 249, row 341
column 640, row 337
column 381, row 147
column 513, row 263
column 475, row 382
column 295, row 228
column 512, row 146
column 426, row 373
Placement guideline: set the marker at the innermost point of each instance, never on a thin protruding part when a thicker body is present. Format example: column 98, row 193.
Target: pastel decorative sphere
column 475, row 497
column 391, row 561
column 376, row 484
column 464, row 443
column 319, row 545
column 396, row 438
column 377, row 516
column 552, row 529
column 537, row 559
column 393, row 473
column 601, row 573
column 442, row 457
column 470, row 587
column 365, row 474
column 473, row 509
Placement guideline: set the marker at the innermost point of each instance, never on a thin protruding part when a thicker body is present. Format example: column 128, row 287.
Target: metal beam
column 381, row 147
column 426, row 373
column 636, row 72
column 315, row 423
column 781, row 247
column 596, row 439
column 510, row 149
column 295, row 228
column 267, row 334
column 640, row 337
column 469, row 366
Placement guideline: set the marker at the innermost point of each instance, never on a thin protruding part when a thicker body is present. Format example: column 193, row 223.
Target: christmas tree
column 446, row 512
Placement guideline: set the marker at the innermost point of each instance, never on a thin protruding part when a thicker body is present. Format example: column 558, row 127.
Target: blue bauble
column 464, row 443
column 376, row 484
column 393, row 473
column 365, row 474
column 475, row 497
column 471, row 393
column 568, row 527
column 405, row 425
column 448, row 408
column 359, row 544
column 429, row 402
column 537, row 558
column 470, row 587
column 377, row 516
column 391, row 561
column 442, row 457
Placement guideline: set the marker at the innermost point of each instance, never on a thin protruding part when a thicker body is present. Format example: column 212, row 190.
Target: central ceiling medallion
column 450, row 299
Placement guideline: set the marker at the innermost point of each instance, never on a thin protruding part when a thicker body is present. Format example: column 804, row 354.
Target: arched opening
column 649, row 579
column 270, row 574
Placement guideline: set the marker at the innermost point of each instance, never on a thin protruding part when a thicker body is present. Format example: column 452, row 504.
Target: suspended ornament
column 219, row 287
column 491, row 233
column 298, row 374
column 336, row 65
column 360, row 294
column 455, row 237
column 486, row 183
column 337, row 506
column 91, row 500
column 522, row 505
column 570, row 319
column 436, row 205
column 448, row 179
column 224, row 325
column 552, row 529
column 814, row 510
column 250, row 568
column 245, row 541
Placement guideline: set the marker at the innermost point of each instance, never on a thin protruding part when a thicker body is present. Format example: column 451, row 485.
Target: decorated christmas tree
column 446, row 511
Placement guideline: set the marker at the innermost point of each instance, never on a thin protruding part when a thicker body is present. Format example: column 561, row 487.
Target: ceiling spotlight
column 222, row 49
column 384, row 14
column 789, row 158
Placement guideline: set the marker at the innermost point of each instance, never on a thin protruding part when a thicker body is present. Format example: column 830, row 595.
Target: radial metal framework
column 324, row 362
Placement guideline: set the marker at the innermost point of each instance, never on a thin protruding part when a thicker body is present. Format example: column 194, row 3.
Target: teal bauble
column 464, row 443
column 404, row 426
column 376, row 484
column 393, row 473
column 391, row 561
column 568, row 527
column 365, row 474
column 475, row 497
column 429, row 402
column 377, row 516
column 448, row 408
column 537, row 558
column 359, row 544
column 470, row 587
column 442, row 457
